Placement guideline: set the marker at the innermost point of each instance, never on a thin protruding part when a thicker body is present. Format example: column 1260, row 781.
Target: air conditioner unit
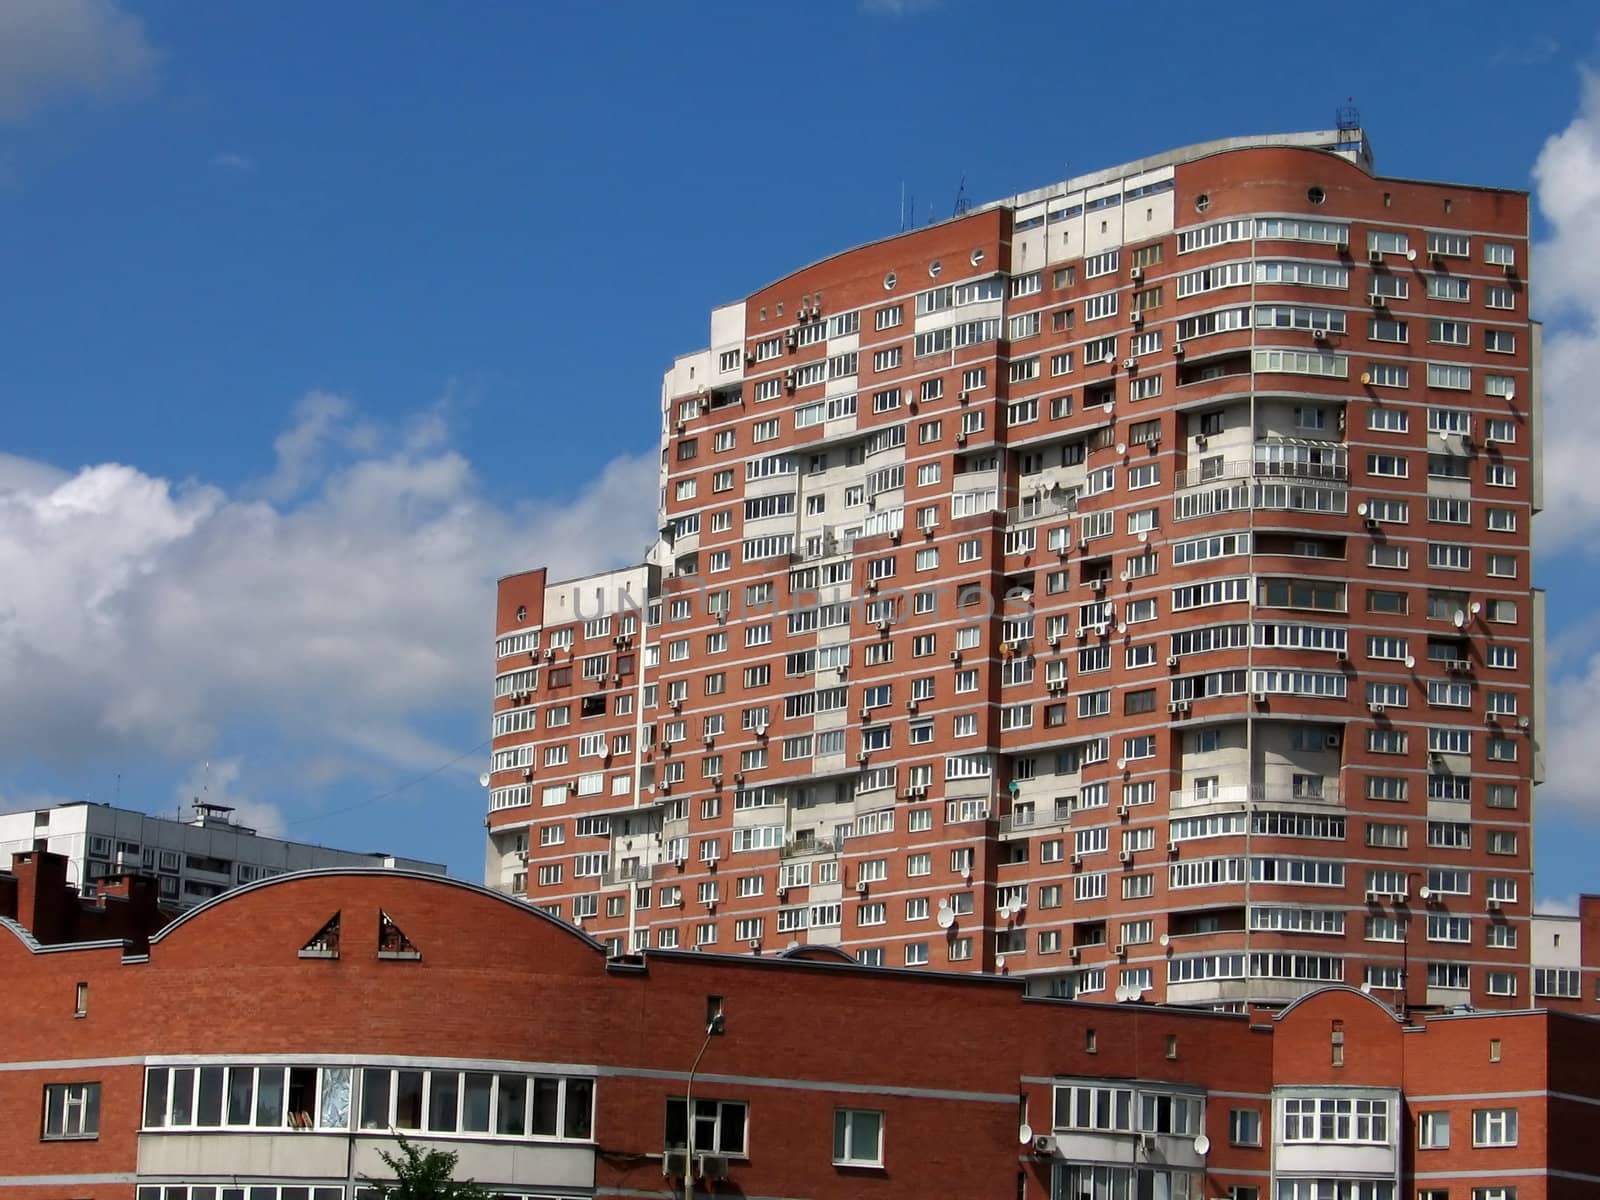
column 675, row 704
column 615, row 677
column 911, row 706
column 790, row 342
column 1332, row 741
column 1379, row 301
column 1177, row 349
column 1172, row 660
column 1077, row 860
column 1494, row 906
column 919, row 789
column 676, row 1163
column 749, row 358
column 527, row 772
column 705, row 403
column 1260, row 697
column 1051, row 640
column 1511, row 269
column 1376, row 709
column 1319, row 335
column 1136, row 273
column 711, row 1166
column 1172, row 706
column 865, row 712
column 861, row 887
column 572, row 786
column 955, row 656
column 1097, row 585
column 1125, row 857
column 1172, row 847
column 964, row 396
column 1122, row 811
column 1102, row 629
column 1083, row 632
column 681, row 426
column 1199, row 441
column 1119, row 950
column 1375, row 255
column 1129, row 364
column 883, row 627
column 1136, row 317
column 1147, row 1142
column 1074, row 953
column 961, row 439
column 861, row 757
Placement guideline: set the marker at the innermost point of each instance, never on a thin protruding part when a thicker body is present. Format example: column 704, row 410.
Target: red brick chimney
column 42, row 895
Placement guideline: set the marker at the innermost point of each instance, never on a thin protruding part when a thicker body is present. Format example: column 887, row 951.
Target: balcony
column 1030, row 819
column 1041, row 507
column 1253, row 794
column 1336, row 470
column 799, row 847
column 629, row 872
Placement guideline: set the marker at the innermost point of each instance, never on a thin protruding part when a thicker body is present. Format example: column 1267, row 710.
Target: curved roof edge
column 1337, row 987
column 35, row 946
column 381, row 873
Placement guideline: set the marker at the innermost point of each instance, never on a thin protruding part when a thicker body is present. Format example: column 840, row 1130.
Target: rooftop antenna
column 962, row 203
column 1348, row 117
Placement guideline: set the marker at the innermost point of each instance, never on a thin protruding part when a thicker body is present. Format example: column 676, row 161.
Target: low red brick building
column 265, row 1045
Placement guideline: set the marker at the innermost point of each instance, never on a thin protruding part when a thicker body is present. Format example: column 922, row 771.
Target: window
column 71, row 1110
column 719, row 1126
column 1433, row 1130
column 1244, row 1127
column 1561, row 982
column 1494, row 1127
column 858, row 1137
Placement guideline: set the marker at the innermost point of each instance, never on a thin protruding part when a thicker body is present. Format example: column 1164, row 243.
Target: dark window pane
column 269, row 1097
column 183, row 1096
column 475, row 1107
column 511, row 1106
column 546, row 1098
column 408, row 1099
column 155, row 1097
column 241, row 1090
column 444, row 1089
column 375, row 1099
column 580, row 1108
column 209, row 1110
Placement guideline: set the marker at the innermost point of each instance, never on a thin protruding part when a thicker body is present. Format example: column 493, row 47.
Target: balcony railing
column 1256, row 794
column 1034, row 818
column 1244, row 468
column 803, row 846
column 629, row 873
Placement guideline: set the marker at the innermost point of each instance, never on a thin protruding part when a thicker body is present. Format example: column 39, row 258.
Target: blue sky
column 311, row 314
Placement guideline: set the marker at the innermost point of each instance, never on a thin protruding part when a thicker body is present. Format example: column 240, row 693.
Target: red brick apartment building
column 264, row 1045
column 1124, row 586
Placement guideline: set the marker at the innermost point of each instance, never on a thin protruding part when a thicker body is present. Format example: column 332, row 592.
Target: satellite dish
column 1122, row 764
column 1361, row 509
column 1004, row 913
column 1366, row 987
column 1025, row 1135
column 1109, row 407
column 1411, row 255
column 1475, row 608
column 1021, row 904
column 1202, row 1144
column 1122, row 447
column 1425, row 892
column 1122, row 627
column 483, row 780
column 1000, row 962
column 1366, row 378
column 1122, row 992
column 1411, row 660
column 1144, row 536
column 946, row 917
column 1166, row 939
column 1511, row 393
column 1460, row 618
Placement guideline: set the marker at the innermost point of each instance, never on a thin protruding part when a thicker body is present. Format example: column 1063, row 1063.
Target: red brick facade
column 1165, row 620
column 944, row 1068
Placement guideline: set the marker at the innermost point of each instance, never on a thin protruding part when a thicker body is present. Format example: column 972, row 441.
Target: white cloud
column 1567, row 271
column 218, row 782
column 339, row 605
column 897, row 8
column 240, row 163
column 1557, row 906
column 51, row 50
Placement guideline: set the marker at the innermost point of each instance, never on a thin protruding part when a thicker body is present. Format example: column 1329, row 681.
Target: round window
column 1202, row 202
column 1316, row 195
column 522, row 612
column 889, row 281
column 934, row 268
column 977, row 256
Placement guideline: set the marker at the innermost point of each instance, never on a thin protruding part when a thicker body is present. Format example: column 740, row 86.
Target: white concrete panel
column 1554, row 941
column 309, row 1155
column 495, row 1163
column 727, row 326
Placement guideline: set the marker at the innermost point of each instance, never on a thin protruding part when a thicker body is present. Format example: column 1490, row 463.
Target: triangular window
column 392, row 942
column 325, row 942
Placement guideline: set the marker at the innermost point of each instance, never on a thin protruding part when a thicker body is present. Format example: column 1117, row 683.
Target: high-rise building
column 191, row 860
column 1125, row 584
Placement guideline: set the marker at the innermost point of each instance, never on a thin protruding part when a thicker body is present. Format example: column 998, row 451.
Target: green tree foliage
column 424, row 1175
